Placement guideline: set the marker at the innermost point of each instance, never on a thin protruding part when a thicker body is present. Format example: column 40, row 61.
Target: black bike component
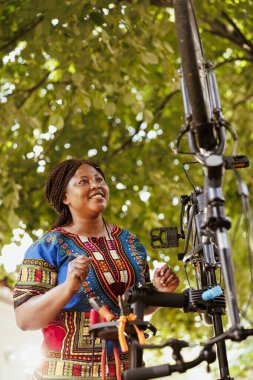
column 149, row 296
column 191, row 52
column 204, row 258
column 196, row 303
column 175, row 344
column 109, row 330
column 237, row 335
column 236, row 162
column 168, row 237
column 190, row 300
column 207, row 354
column 164, row 237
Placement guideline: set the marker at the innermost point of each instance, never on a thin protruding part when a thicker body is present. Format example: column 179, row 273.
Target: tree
column 99, row 79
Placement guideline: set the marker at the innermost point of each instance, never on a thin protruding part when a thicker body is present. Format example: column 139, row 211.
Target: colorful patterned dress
column 119, row 261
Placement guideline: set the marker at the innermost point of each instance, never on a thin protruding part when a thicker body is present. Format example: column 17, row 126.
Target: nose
column 94, row 184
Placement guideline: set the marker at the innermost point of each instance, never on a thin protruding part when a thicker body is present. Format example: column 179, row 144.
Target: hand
column 78, row 270
column 165, row 280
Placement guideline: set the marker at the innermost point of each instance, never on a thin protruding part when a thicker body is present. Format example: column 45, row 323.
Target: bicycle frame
column 215, row 219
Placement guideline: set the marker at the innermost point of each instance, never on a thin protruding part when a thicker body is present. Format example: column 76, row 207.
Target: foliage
column 98, row 79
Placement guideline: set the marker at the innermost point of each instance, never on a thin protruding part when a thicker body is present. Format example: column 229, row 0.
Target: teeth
column 97, row 196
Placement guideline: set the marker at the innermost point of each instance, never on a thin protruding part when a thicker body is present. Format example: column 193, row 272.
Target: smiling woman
column 86, row 196
column 80, row 258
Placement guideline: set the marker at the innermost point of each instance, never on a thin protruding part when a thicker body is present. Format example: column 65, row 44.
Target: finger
column 171, row 280
column 82, row 258
column 160, row 271
column 80, row 265
column 80, row 261
column 164, row 269
column 172, row 285
column 83, row 276
column 169, row 276
column 77, row 273
column 167, row 273
column 157, row 272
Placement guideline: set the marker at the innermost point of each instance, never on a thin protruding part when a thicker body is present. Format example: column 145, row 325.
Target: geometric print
column 118, row 261
column 32, row 275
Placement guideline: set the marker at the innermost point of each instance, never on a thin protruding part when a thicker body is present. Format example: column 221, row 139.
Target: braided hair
column 56, row 186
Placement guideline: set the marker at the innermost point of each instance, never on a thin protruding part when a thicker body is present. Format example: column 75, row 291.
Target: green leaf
column 97, row 100
column 148, row 116
column 78, row 78
column 149, row 58
column 110, row 109
column 97, row 18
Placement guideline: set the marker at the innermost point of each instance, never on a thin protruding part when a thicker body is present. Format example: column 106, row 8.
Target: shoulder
column 45, row 248
column 49, row 239
column 131, row 238
column 125, row 232
column 122, row 233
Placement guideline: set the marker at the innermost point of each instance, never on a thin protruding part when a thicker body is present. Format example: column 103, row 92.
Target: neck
column 86, row 227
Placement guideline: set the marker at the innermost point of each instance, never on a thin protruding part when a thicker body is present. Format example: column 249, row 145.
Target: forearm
column 40, row 310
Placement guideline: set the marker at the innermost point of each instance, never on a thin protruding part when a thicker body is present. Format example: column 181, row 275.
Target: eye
column 83, row 180
column 99, row 179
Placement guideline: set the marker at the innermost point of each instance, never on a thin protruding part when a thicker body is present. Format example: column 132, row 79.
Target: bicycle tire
column 194, row 72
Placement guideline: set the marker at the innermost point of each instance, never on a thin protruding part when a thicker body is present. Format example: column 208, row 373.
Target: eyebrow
column 86, row 176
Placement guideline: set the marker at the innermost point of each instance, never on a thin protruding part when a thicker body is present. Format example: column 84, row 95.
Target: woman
column 81, row 257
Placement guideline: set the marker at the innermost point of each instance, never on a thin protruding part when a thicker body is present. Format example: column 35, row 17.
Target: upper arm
column 38, row 272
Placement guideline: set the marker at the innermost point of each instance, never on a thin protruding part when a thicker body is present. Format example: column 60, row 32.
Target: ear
column 66, row 200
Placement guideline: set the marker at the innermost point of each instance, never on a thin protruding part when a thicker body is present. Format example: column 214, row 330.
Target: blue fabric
column 57, row 248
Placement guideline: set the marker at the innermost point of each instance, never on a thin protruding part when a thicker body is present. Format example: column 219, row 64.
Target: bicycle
column 207, row 222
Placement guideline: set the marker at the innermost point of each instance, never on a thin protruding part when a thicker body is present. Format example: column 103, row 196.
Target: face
column 87, row 193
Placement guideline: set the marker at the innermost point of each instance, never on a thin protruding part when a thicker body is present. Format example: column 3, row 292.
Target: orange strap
column 123, row 319
column 117, row 362
column 121, row 333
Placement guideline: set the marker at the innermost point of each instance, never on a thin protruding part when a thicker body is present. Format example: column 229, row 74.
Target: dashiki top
column 119, row 261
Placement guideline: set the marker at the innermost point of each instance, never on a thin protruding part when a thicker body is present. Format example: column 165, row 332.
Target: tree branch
column 21, row 33
column 157, row 114
column 49, row 147
column 162, row 3
column 232, row 59
column 159, row 3
column 241, row 101
column 220, row 29
column 238, row 31
column 33, row 88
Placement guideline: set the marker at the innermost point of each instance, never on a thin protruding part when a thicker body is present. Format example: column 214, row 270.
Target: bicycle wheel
column 195, row 73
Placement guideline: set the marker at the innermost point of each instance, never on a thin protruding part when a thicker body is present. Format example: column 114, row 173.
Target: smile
column 97, row 195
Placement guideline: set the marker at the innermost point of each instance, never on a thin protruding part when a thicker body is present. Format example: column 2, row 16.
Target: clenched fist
column 78, row 270
column 165, row 280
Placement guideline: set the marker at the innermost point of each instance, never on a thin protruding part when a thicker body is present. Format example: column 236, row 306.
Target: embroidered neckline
column 113, row 228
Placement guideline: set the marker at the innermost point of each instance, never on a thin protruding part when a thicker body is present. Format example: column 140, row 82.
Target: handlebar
column 207, row 354
column 151, row 297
